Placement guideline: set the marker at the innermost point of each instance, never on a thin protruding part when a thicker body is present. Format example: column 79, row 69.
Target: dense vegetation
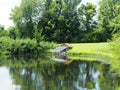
column 37, row 23
column 40, row 24
column 57, row 20
column 23, row 46
column 66, row 20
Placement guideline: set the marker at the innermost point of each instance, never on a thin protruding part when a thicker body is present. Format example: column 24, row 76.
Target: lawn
column 96, row 49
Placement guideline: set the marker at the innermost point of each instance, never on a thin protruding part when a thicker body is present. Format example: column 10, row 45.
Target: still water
column 39, row 75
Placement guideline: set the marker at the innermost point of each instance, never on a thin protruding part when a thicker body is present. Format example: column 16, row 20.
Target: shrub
column 23, row 46
column 5, row 44
column 28, row 46
column 115, row 44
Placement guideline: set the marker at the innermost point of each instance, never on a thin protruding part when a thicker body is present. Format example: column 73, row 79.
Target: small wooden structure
column 60, row 53
column 62, row 50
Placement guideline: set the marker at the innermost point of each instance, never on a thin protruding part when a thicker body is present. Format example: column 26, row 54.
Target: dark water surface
column 39, row 75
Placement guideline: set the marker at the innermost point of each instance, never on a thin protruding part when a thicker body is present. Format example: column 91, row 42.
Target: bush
column 23, row 46
column 5, row 44
column 28, row 46
column 115, row 44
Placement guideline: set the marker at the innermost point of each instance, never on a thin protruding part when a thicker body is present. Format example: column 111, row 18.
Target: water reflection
column 78, row 75
column 88, row 77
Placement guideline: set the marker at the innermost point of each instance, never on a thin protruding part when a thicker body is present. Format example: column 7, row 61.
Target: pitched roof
column 59, row 49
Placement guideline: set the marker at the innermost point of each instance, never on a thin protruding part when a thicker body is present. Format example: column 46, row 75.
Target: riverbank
column 95, row 51
column 91, row 49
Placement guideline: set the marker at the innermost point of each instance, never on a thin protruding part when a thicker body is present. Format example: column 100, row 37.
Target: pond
column 46, row 74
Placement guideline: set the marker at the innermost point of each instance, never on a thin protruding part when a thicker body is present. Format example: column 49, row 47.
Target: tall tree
column 26, row 16
column 106, row 13
column 60, row 22
column 115, row 22
column 86, row 15
column 13, row 32
column 3, row 32
column 2, row 27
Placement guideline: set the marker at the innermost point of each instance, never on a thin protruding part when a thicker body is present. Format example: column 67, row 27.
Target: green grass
column 97, row 52
column 92, row 49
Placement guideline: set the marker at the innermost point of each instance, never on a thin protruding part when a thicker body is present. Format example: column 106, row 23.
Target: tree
column 46, row 21
column 2, row 27
column 3, row 32
column 60, row 22
column 114, row 24
column 106, row 13
column 26, row 16
column 13, row 32
column 86, row 15
column 38, row 34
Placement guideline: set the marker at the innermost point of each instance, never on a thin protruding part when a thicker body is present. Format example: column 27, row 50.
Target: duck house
column 61, row 50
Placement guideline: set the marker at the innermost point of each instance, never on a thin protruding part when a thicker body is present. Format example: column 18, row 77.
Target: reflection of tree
column 54, row 77
column 75, row 76
column 27, row 78
column 87, row 77
column 107, row 81
column 60, row 77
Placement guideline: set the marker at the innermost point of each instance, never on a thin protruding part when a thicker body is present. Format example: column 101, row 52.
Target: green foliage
column 99, row 34
column 59, row 21
column 107, row 15
column 27, row 46
column 86, row 15
column 38, row 34
column 1, row 27
column 13, row 32
column 3, row 32
column 115, row 24
column 115, row 44
column 5, row 45
column 63, row 21
column 23, row 46
column 115, row 47
column 25, row 16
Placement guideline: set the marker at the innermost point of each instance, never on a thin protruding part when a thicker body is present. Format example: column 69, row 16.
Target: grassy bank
column 97, row 51
column 91, row 50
